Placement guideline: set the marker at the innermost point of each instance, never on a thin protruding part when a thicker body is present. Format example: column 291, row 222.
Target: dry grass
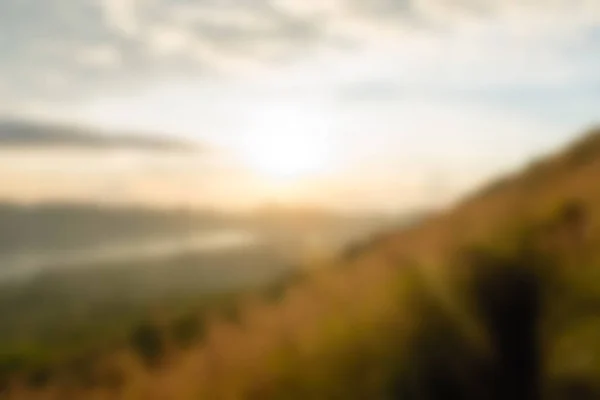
column 342, row 332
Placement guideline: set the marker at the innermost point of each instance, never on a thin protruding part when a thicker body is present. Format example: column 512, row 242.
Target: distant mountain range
column 28, row 133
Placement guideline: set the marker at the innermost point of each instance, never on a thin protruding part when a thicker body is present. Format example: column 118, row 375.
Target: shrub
column 275, row 292
column 504, row 294
column 148, row 343
column 507, row 292
column 9, row 365
column 82, row 370
column 39, row 377
column 186, row 330
column 584, row 151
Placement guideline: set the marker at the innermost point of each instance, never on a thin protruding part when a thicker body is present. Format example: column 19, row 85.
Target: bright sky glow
column 285, row 145
column 342, row 102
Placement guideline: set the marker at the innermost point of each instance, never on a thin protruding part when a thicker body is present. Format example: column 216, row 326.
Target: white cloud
column 190, row 13
column 105, row 56
column 417, row 35
column 166, row 40
column 327, row 8
column 392, row 75
column 122, row 15
column 53, row 79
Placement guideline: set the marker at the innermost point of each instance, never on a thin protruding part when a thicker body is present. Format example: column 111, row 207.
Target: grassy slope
column 346, row 332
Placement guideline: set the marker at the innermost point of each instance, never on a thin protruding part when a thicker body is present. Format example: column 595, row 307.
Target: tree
column 148, row 343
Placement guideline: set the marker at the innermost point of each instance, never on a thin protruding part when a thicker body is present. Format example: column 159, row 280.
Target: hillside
column 496, row 298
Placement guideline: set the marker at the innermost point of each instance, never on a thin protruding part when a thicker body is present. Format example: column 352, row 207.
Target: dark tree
column 148, row 342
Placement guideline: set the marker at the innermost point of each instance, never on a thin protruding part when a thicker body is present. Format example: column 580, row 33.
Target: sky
column 360, row 104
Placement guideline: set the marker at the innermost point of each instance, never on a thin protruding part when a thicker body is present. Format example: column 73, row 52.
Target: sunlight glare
column 287, row 146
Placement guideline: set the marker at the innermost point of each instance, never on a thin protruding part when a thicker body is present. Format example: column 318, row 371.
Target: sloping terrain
column 497, row 298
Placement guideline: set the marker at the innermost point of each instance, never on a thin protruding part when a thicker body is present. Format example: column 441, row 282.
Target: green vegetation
column 148, row 342
column 187, row 329
column 496, row 299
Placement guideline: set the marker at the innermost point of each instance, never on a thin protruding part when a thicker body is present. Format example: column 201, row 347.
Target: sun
column 286, row 155
column 287, row 146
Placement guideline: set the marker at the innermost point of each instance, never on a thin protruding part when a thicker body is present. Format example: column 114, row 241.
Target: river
column 25, row 265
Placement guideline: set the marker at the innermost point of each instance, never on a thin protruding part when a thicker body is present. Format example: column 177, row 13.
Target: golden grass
column 339, row 333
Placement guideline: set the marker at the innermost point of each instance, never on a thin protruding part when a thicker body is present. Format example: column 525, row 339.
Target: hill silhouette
column 498, row 298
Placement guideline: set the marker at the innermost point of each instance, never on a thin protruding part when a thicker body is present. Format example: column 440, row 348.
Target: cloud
column 102, row 55
column 380, row 70
column 122, row 15
column 166, row 40
column 104, row 47
column 29, row 134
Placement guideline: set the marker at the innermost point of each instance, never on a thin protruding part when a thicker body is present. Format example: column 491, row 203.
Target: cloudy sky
column 396, row 103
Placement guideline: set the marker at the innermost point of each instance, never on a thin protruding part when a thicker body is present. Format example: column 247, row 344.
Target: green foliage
column 82, row 369
column 148, row 342
column 40, row 377
column 9, row 364
column 515, row 318
column 186, row 330
column 504, row 294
